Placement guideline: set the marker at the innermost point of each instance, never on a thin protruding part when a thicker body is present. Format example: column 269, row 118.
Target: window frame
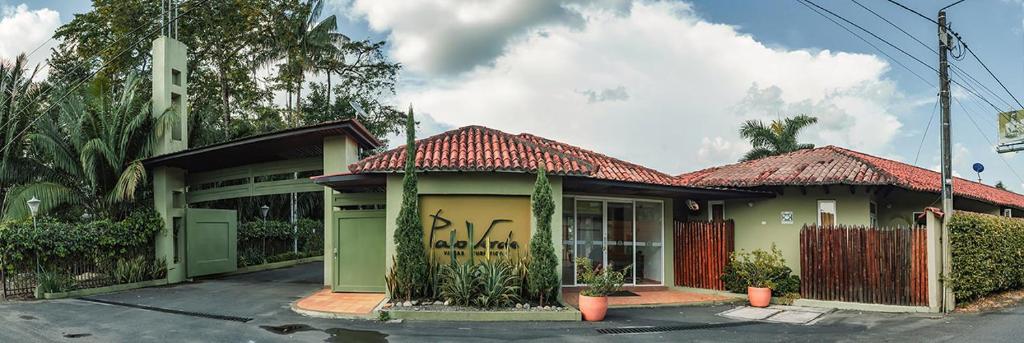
column 711, row 209
column 835, row 211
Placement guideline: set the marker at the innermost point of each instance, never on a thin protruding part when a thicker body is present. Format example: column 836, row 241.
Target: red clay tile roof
column 477, row 148
column 835, row 165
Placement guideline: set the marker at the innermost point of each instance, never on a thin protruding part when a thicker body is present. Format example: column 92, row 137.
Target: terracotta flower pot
column 759, row 296
column 593, row 308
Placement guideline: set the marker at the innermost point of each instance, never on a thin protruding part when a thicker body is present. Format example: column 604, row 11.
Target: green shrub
column 411, row 255
column 54, row 282
column 497, row 284
column 759, row 268
column 100, row 240
column 543, row 276
column 987, row 254
column 131, row 270
column 601, row 282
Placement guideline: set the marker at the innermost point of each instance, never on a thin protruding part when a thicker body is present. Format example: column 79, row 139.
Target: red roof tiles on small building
column 478, row 148
column 832, row 165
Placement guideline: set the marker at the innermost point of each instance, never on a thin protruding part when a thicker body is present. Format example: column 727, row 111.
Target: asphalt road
column 212, row 311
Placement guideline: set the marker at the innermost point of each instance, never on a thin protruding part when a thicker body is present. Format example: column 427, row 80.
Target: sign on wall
column 499, row 224
column 787, row 217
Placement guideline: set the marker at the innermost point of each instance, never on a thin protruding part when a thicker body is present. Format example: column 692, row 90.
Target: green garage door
column 360, row 262
column 211, row 241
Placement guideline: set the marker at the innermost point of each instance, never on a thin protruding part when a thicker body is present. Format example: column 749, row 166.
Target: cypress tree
column 542, row 277
column 411, row 262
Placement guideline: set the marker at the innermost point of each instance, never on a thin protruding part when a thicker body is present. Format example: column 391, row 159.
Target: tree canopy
column 776, row 138
column 66, row 132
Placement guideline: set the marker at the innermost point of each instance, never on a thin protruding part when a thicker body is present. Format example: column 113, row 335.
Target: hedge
column 987, row 252
column 262, row 242
column 104, row 239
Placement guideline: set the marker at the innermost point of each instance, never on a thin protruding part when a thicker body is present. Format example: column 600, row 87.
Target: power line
column 929, row 47
column 93, row 73
column 76, row 68
column 989, row 141
column 914, row 12
column 894, row 60
column 1000, row 82
column 966, row 47
column 964, row 73
column 931, row 117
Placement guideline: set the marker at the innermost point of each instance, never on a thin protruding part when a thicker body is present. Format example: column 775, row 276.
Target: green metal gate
column 211, row 238
column 360, row 261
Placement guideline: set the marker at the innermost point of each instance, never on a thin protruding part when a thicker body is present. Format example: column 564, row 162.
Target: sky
column 666, row 84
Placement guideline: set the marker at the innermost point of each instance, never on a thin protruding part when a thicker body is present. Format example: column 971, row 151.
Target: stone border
column 570, row 314
column 107, row 289
column 274, row 265
column 842, row 305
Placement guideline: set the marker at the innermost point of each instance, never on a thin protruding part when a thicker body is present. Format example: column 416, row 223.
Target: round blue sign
column 978, row 167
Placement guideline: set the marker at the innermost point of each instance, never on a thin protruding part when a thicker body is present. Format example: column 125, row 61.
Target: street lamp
column 33, row 207
column 263, row 212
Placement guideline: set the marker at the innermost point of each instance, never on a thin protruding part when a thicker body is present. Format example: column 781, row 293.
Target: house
column 832, row 185
column 614, row 212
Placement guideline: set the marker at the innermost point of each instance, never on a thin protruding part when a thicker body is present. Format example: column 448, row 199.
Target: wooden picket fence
column 864, row 264
column 701, row 252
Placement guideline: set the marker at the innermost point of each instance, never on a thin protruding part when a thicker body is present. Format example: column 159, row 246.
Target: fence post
column 940, row 293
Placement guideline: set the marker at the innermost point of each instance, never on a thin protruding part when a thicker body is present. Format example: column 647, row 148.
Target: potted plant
column 593, row 299
column 759, row 273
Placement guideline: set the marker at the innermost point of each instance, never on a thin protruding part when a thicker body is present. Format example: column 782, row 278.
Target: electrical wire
column 93, row 73
column 893, row 59
column 1000, row 82
column 989, row 141
column 931, row 117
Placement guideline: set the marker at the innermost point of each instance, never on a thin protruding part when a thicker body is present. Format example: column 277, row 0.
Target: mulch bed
column 992, row 302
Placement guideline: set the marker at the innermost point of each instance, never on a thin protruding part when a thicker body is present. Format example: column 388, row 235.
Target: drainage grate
column 656, row 329
column 167, row 310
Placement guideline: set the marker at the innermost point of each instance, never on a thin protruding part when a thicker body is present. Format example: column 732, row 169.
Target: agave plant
column 92, row 147
column 497, row 284
column 458, row 283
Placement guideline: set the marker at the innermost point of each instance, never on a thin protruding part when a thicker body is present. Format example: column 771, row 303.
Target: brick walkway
column 649, row 298
column 358, row 304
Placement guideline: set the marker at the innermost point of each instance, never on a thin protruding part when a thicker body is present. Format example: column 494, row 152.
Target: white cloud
column 22, row 30
column 690, row 83
column 445, row 36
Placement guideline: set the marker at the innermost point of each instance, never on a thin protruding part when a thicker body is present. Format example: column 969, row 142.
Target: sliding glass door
column 619, row 234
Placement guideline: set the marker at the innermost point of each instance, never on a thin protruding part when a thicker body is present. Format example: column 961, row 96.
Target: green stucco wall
column 339, row 151
column 759, row 222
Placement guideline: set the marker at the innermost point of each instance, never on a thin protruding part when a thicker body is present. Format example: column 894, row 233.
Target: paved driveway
column 212, row 310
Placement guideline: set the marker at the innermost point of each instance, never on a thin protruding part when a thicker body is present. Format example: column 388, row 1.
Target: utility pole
column 945, row 41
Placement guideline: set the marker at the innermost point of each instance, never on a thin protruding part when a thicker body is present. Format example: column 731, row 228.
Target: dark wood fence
column 862, row 264
column 701, row 252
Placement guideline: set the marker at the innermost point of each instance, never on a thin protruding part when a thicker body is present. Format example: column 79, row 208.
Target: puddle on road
column 77, row 335
column 335, row 335
column 346, row 335
column 288, row 328
column 27, row 317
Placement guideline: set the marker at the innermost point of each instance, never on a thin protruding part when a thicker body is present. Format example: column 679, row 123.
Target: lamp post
column 33, row 208
column 263, row 212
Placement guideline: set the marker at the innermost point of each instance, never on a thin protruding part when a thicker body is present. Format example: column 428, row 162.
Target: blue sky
column 665, row 84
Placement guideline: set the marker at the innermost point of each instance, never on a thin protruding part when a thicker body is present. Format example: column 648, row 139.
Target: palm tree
column 304, row 43
column 775, row 139
column 18, row 105
column 92, row 148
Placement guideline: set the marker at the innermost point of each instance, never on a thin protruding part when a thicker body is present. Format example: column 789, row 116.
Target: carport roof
column 299, row 142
